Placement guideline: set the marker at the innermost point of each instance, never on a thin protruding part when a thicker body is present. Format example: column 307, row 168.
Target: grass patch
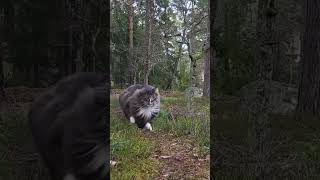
column 134, row 151
column 131, row 149
column 196, row 127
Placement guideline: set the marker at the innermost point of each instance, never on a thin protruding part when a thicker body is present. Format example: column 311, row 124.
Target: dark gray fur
column 69, row 126
column 132, row 99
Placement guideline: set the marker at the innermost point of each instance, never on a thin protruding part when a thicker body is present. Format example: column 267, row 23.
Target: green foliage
column 183, row 77
column 235, row 65
column 167, row 52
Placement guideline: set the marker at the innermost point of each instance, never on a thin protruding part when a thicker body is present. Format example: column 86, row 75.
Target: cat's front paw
column 132, row 120
column 148, row 127
column 113, row 163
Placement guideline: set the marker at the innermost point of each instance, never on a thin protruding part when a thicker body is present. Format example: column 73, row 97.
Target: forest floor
column 18, row 158
column 294, row 151
column 178, row 148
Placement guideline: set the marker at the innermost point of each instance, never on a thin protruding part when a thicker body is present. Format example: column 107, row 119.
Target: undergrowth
column 134, row 152
column 295, row 149
column 130, row 149
column 12, row 133
column 180, row 122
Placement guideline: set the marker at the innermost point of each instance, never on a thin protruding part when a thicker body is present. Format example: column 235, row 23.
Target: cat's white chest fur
column 147, row 112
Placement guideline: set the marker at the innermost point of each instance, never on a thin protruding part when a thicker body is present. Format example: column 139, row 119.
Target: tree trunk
column 309, row 90
column 259, row 124
column 79, row 60
column 78, row 39
column 2, row 35
column 227, row 40
column 193, row 60
column 36, row 75
column 206, row 83
column 70, row 49
column 174, row 67
column 208, row 49
column 131, row 67
column 148, row 39
column 2, row 56
column 6, row 28
column 2, row 92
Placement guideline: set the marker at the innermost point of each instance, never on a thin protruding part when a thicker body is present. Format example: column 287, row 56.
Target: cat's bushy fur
column 140, row 104
column 69, row 126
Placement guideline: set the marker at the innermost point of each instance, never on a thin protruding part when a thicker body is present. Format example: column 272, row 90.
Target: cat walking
column 140, row 104
column 69, row 126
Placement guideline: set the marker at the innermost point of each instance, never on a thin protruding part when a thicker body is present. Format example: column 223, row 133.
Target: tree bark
column 206, row 83
column 131, row 67
column 193, row 60
column 259, row 124
column 309, row 89
column 36, row 75
column 6, row 28
column 2, row 92
column 148, row 39
column 209, row 49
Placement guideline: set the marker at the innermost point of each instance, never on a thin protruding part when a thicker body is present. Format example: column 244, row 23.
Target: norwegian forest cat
column 69, row 126
column 140, row 104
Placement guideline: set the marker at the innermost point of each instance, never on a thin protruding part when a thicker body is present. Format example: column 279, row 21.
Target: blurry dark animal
column 69, row 126
column 140, row 104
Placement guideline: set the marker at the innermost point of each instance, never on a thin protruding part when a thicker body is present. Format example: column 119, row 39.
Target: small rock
column 165, row 175
column 165, row 157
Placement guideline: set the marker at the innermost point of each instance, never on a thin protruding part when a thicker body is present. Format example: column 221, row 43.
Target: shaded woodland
column 164, row 43
column 264, row 72
column 42, row 41
column 161, row 43
column 266, row 89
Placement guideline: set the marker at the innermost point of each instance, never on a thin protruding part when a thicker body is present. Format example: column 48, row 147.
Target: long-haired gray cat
column 140, row 104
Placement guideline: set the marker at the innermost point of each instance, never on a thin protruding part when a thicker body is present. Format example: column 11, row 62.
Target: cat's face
column 150, row 97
